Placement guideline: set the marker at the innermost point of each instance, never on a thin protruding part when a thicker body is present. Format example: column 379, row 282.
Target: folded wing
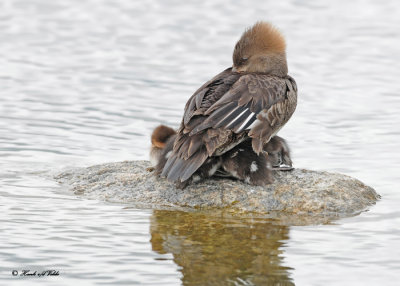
column 264, row 103
column 218, row 115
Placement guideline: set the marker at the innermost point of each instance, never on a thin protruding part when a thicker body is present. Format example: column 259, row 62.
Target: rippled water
column 84, row 82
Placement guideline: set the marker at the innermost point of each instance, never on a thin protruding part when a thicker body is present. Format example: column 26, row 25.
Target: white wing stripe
column 247, row 120
column 233, row 110
column 253, row 124
column 237, row 117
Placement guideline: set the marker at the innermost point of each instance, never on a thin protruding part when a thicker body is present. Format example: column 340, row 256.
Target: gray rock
column 295, row 192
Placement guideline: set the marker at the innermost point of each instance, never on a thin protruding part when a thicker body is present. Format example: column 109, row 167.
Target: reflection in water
column 221, row 250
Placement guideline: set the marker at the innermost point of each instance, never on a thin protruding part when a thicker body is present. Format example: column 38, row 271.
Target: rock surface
column 296, row 192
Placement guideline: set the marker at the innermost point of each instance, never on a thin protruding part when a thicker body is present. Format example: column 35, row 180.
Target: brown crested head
column 261, row 49
column 160, row 135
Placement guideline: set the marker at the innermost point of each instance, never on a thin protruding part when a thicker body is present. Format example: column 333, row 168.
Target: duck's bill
column 283, row 168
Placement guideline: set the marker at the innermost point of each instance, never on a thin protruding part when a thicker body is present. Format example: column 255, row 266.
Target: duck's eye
column 243, row 60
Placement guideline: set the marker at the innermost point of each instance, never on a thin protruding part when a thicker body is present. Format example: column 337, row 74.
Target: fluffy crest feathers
column 261, row 38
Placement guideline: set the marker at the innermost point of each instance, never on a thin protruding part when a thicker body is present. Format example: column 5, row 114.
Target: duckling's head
column 261, row 49
column 160, row 136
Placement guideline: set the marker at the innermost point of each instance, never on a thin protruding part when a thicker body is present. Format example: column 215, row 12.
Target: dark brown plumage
column 252, row 100
column 162, row 139
column 278, row 154
column 241, row 162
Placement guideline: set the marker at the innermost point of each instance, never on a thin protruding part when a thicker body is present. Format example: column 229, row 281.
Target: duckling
column 278, row 154
column 162, row 140
column 241, row 162
column 252, row 100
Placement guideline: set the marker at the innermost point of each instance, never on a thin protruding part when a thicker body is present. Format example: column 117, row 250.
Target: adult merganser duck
column 241, row 162
column 251, row 100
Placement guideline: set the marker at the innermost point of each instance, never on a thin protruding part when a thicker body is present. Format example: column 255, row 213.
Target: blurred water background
column 84, row 82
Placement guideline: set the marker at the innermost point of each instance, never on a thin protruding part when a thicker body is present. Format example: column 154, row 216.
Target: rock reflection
column 218, row 249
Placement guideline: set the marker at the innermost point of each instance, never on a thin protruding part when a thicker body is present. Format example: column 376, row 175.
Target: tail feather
column 194, row 164
column 178, row 169
column 170, row 162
